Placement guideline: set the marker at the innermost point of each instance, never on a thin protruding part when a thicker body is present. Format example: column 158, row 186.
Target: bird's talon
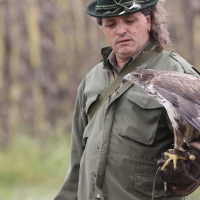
column 173, row 157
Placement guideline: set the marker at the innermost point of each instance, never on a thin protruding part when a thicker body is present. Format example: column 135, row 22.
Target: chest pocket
column 140, row 118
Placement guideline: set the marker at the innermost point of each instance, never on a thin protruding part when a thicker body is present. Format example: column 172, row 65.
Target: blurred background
column 46, row 48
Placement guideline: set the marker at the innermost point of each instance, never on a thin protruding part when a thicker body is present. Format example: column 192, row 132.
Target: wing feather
column 181, row 84
column 188, row 109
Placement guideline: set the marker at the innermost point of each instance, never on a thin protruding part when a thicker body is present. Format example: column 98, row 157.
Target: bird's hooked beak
column 126, row 78
column 129, row 78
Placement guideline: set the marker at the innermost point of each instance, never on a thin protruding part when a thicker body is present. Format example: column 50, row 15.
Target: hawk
column 179, row 93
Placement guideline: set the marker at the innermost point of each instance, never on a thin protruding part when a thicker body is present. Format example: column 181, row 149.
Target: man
column 114, row 150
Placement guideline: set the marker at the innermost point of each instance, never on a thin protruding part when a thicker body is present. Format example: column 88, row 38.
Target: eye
column 110, row 25
column 130, row 21
column 137, row 75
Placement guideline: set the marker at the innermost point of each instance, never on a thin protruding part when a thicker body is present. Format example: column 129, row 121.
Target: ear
column 148, row 18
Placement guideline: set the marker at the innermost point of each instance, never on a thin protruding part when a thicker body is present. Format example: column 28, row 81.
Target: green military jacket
column 113, row 155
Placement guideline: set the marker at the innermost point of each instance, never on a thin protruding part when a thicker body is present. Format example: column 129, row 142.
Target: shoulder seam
column 187, row 67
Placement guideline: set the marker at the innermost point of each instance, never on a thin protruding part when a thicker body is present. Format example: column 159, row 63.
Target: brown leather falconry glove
column 186, row 178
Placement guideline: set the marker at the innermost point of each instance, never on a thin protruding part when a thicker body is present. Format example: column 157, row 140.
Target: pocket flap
column 143, row 100
column 144, row 184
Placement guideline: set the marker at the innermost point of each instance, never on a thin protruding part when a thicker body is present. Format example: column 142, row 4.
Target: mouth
column 123, row 41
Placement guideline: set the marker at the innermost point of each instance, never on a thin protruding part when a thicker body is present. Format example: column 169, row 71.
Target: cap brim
column 90, row 10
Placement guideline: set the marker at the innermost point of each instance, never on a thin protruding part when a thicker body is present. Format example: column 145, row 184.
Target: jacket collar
column 105, row 52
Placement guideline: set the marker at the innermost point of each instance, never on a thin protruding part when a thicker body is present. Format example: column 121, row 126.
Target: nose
column 120, row 29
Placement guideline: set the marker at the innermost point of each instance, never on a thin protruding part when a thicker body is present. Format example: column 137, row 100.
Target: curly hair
column 159, row 22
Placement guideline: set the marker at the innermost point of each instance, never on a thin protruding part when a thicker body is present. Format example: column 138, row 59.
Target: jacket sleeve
column 68, row 190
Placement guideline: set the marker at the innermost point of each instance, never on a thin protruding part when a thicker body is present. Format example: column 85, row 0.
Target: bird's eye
column 137, row 76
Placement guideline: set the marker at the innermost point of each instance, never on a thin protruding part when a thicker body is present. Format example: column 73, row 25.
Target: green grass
column 31, row 169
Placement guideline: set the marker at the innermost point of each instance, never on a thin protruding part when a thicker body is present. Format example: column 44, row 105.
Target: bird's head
column 140, row 77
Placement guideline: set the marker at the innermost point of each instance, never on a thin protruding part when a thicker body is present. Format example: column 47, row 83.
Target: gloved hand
column 186, row 178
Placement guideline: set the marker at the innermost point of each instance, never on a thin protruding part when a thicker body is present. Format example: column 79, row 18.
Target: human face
column 127, row 34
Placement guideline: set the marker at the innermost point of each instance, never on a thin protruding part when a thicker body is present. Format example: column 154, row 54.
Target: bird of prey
column 179, row 93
